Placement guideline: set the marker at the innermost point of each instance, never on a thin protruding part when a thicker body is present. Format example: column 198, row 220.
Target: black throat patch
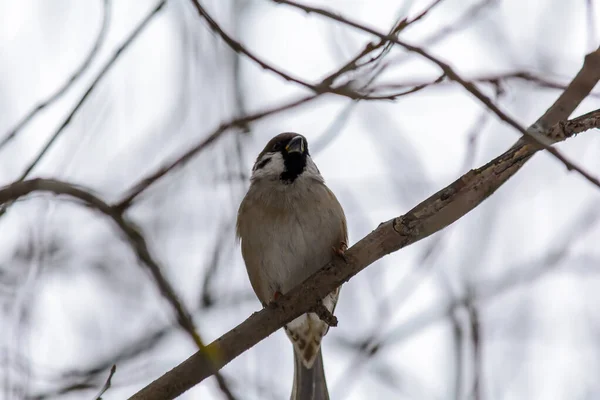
column 294, row 166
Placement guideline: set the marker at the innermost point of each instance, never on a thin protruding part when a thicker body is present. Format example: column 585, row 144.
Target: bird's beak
column 296, row 145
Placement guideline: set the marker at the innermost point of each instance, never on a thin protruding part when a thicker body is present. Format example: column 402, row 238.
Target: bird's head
column 285, row 158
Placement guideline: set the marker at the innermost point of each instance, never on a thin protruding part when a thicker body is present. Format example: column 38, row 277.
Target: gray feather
column 309, row 383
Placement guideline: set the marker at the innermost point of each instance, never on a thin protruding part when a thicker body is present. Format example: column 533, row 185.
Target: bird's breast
column 293, row 233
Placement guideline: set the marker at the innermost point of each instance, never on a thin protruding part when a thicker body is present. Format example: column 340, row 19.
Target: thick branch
column 432, row 215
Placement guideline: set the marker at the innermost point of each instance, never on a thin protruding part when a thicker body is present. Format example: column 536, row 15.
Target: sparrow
column 290, row 225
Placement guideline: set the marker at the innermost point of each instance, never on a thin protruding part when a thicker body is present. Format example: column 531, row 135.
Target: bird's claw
column 273, row 301
column 341, row 251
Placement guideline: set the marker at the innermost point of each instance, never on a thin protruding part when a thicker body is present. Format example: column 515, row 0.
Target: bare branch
column 477, row 389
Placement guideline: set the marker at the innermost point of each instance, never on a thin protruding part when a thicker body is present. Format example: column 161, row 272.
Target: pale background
column 74, row 300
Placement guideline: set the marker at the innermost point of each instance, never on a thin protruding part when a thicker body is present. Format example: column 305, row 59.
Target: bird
column 290, row 225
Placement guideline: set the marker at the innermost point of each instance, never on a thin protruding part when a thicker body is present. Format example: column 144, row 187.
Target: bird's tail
column 309, row 383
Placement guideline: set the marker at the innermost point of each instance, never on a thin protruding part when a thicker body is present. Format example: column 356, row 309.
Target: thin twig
column 74, row 77
column 423, row 13
column 476, row 334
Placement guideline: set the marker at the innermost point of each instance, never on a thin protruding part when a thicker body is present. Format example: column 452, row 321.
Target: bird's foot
column 341, row 251
column 276, row 297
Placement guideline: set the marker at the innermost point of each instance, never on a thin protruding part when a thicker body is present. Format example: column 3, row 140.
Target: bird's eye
column 277, row 146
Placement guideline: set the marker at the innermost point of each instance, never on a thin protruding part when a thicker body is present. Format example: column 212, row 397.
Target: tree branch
column 435, row 213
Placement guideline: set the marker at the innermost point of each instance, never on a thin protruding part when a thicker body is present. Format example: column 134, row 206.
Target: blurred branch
column 74, row 77
column 432, row 215
column 591, row 26
column 423, row 13
column 12, row 192
column 225, row 232
column 533, row 134
column 458, row 336
column 239, row 48
column 477, row 390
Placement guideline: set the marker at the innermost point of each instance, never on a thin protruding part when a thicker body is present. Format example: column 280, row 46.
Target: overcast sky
column 73, row 293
